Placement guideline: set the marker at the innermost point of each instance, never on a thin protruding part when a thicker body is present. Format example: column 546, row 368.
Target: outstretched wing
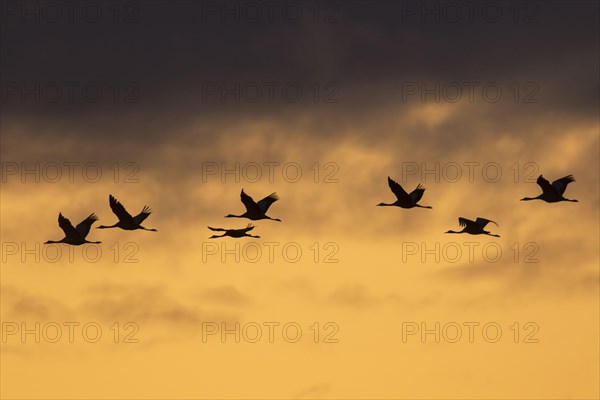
column 217, row 229
column 561, row 184
column 142, row 215
column 84, row 226
column 67, row 227
column 248, row 228
column 468, row 223
column 416, row 194
column 119, row 210
column 398, row 190
column 483, row 222
column 265, row 203
column 547, row 188
column 251, row 206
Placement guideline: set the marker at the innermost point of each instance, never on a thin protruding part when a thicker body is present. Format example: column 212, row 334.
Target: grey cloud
column 226, row 295
column 22, row 305
column 169, row 54
column 148, row 306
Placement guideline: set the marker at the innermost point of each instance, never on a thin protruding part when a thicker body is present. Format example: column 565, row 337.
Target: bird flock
column 551, row 193
column 255, row 211
column 77, row 236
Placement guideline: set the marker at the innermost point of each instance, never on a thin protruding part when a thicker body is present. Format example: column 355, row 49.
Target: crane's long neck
column 53, row 241
column 530, row 198
column 418, row 205
column 454, row 232
column 234, row 216
column 106, row 227
column 385, row 204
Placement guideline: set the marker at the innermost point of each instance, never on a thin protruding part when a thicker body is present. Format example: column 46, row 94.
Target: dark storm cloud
column 170, row 50
column 369, row 133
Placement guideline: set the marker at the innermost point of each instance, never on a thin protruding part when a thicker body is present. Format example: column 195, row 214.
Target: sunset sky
column 179, row 105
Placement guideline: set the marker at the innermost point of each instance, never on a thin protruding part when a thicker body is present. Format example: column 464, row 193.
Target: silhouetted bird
column 126, row 221
column 234, row 233
column 75, row 236
column 474, row 227
column 405, row 200
column 256, row 211
column 552, row 193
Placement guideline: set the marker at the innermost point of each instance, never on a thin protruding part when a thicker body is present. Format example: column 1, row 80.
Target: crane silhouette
column 552, row 193
column 75, row 236
column 256, row 211
column 404, row 199
column 234, row 233
column 126, row 221
column 474, row 227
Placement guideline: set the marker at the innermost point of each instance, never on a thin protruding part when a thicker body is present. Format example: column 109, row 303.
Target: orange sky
column 365, row 273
